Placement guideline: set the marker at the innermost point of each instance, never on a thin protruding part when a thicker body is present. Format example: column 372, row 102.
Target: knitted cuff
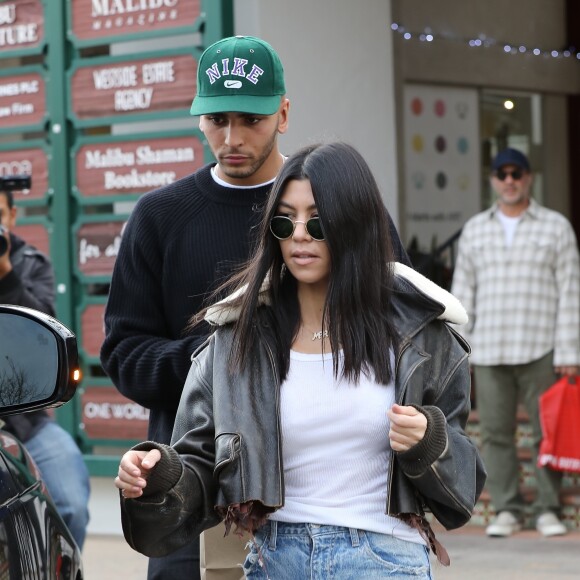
column 165, row 474
column 416, row 460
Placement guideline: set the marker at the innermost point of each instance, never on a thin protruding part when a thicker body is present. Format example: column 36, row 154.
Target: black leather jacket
column 31, row 284
column 226, row 446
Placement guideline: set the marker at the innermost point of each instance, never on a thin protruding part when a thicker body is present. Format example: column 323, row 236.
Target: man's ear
column 283, row 115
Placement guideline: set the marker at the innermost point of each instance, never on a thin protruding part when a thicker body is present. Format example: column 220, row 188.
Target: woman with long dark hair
column 326, row 413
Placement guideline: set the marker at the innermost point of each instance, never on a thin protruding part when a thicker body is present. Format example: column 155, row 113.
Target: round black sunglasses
column 282, row 227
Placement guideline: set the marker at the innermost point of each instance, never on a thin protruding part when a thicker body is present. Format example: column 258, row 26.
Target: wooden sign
column 97, row 247
column 22, row 100
column 93, row 19
column 92, row 329
column 26, row 162
column 134, row 87
column 34, row 234
column 106, row 414
column 21, row 24
column 132, row 167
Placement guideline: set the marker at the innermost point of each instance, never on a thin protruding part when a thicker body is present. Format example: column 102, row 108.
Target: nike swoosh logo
column 233, row 84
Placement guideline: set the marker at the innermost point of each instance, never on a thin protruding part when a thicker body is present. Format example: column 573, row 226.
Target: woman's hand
column 408, row 427
column 134, row 469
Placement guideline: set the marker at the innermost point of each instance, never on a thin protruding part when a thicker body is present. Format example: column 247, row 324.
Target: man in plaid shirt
column 518, row 276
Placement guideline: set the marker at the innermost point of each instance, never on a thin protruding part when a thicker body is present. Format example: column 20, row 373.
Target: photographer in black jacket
column 27, row 279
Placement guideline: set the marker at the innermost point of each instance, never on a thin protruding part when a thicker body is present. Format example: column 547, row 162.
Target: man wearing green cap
column 182, row 239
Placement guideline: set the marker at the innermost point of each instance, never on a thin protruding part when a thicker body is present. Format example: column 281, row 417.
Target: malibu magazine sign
column 21, row 25
column 101, row 19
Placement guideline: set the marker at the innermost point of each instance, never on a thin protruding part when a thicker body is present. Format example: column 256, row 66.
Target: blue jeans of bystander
column 284, row 551
column 65, row 474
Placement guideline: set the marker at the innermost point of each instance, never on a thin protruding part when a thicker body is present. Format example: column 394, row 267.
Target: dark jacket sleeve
column 30, row 283
column 178, row 501
column 145, row 362
column 445, row 467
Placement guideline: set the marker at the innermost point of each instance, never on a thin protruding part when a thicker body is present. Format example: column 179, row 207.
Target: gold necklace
column 319, row 335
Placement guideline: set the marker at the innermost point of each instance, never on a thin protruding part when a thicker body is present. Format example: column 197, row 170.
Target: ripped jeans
column 283, row 551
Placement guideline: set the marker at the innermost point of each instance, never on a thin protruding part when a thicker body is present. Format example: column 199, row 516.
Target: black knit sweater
column 180, row 241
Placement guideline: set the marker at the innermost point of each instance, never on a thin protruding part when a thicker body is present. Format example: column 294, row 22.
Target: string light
column 482, row 41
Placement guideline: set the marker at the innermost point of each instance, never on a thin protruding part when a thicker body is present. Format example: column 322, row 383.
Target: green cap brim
column 235, row 104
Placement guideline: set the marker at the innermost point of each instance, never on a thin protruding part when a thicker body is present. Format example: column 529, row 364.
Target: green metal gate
column 87, row 90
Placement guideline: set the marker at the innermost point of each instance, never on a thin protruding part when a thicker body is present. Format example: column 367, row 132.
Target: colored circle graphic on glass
column 462, row 145
column 463, row 182
column 417, row 106
column 440, row 144
column 440, row 108
column 441, row 180
column 417, row 143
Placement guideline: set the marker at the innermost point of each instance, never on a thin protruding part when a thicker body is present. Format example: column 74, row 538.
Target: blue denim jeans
column 65, row 474
column 308, row 551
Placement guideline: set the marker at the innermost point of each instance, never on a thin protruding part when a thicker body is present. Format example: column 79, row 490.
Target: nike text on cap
column 239, row 74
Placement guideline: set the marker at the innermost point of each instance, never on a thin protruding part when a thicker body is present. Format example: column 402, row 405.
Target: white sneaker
column 548, row 525
column 505, row 524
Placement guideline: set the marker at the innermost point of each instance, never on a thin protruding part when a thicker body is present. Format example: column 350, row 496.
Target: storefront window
column 510, row 120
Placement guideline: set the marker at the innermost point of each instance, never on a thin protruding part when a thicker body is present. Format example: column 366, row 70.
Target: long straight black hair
column 356, row 226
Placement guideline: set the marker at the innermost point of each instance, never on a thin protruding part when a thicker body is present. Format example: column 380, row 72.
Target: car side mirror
column 39, row 365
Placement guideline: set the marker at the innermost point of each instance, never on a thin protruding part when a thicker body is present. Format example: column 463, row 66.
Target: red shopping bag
column 560, row 420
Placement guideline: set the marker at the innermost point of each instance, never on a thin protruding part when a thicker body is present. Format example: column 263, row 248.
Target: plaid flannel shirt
column 522, row 301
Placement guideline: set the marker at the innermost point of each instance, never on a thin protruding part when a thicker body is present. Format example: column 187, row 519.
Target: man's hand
column 408, row 427
column 134, row 469
column 567, row 371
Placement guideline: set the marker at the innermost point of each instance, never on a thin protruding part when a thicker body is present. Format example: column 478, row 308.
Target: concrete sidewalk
column 474, row 556
column 526, row 555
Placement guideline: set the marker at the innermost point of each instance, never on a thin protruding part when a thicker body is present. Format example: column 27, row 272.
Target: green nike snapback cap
column 241, row 74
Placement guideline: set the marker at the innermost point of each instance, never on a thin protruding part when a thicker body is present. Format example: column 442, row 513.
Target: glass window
column 510, row 119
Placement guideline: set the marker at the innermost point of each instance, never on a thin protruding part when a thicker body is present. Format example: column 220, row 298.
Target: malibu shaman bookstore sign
column 21, row 25
column 135, row 166
column 94, row 19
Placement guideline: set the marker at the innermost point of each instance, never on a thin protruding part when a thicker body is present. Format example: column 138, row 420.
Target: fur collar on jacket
column 222, row 313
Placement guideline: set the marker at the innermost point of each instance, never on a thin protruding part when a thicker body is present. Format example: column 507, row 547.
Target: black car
column 38, row 369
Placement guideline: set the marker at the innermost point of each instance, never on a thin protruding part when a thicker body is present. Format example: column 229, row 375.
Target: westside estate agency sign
column 133, row 167
column 95, row 19
column 129, row 87
column 21, row 24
